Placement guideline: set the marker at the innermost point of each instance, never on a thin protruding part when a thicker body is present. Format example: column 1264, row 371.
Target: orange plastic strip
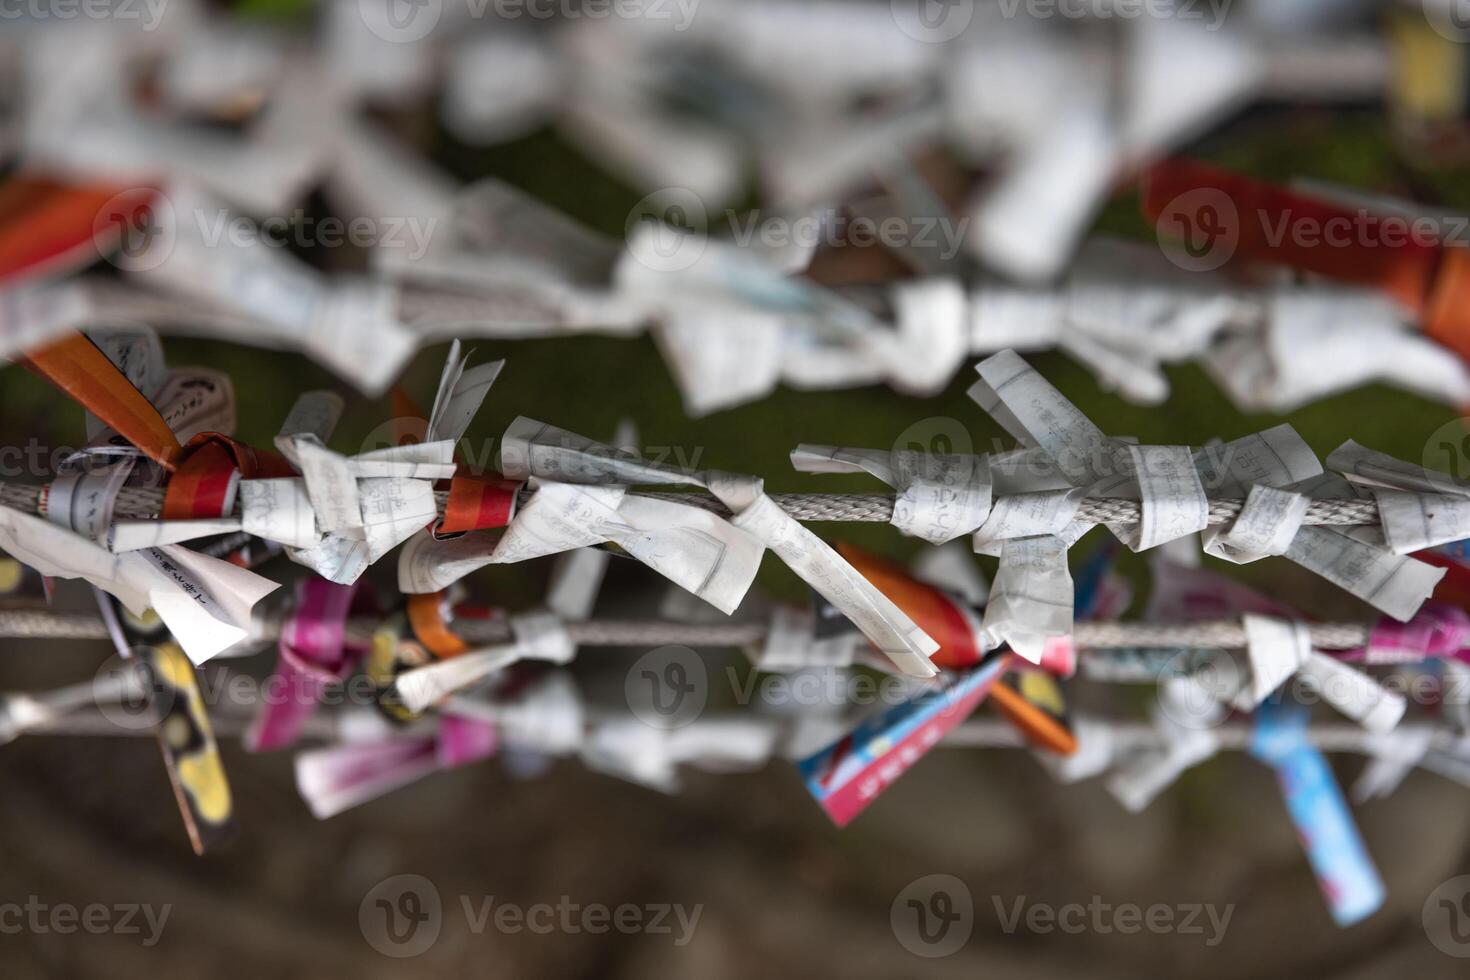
column 79, row 368
column 954, row 628
column 49, row 228
column 1178, row 193
column 1040, row 729
column 426, row 616
column 1448, row 317
column 477, row 502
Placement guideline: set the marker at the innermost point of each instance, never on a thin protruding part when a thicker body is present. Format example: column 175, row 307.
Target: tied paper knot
column 359, row 508
column 1168, row 482
column 1278, row 648
column 1418, row 507
column 715, row 558
column 84, row 501
column 538, row 635
column 1266, row 525
column 1391, row 756
column 940, row 496
column 313, row 653
column 1064, row 456
column 1185, row 722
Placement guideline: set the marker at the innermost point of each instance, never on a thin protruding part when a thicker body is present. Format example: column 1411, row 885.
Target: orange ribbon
column 79, row 368
column 426, row 616
column 50, row 228
column 1430, row 278
column 477, row 502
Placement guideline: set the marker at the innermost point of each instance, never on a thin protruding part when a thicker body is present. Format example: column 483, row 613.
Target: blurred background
column 780, row 890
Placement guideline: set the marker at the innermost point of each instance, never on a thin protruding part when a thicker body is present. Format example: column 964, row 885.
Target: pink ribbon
column 464, row 740
column 1438, row 630
column 314, row 653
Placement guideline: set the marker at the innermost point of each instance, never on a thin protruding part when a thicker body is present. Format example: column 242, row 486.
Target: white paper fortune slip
column 1171, row 494
column 1267, row 524
column 315, row 413
column 1059, row 437
column 33, row 315
column 1257, row 467
column 461, row 392
column 1419, row 508
column 533, row 449
column 330, row 484
column 429, row 564
column 1278, row 648
column 1356, row 559
column 83, row 501
column 1038, row 415
column 205, row 602
column 1031, row 597
column 133, row 535
column 392, row 510
column 940, row 497
column 279, row 509
column 1185, row 722
column 537, row 636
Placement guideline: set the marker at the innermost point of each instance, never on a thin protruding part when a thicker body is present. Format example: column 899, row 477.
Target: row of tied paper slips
column 929, row 199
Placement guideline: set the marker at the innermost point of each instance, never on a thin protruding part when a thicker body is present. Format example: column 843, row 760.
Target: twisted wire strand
column 147, row 502
column 987, row 732
column 1204, row 635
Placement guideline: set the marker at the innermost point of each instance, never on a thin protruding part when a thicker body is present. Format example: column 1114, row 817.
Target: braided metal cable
column 974, row 733
column 45, row 624
column 147, row 502
column 1204, row 635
